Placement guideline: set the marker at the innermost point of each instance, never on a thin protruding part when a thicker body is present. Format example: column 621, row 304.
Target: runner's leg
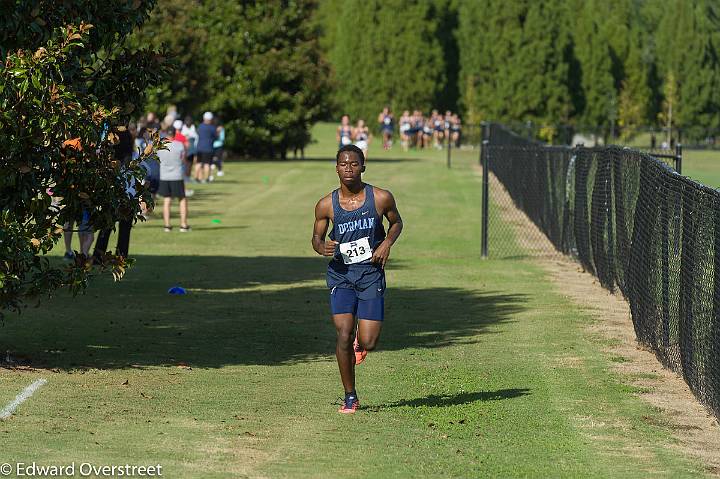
column 344, row 325
column 369, row 333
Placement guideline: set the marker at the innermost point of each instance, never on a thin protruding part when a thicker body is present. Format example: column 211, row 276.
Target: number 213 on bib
column 356, row 251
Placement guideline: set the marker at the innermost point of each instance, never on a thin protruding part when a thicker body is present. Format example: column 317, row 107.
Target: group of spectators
column 416, row 130
column 192, row 153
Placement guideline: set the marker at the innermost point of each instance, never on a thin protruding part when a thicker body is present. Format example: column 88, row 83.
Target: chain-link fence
column 635, row 223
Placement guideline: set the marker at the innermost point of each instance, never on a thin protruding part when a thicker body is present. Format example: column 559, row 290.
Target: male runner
column 359, row 249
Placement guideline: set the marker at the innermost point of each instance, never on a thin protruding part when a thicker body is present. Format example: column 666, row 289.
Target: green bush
column 67, row 85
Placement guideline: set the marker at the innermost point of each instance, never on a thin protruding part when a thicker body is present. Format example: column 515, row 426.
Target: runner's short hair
column 353, row 149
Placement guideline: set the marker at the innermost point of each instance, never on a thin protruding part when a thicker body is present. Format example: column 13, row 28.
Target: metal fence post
column 678, row 158
column 485, row 156
column 483, row 137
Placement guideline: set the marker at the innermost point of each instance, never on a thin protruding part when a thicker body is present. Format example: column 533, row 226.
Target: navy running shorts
column 360, row 304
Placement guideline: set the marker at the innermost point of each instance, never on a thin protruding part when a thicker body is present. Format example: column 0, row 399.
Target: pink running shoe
column 349, row 406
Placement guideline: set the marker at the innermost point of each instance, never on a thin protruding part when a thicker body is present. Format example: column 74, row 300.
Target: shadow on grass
column 435, row 400
column 239, row 310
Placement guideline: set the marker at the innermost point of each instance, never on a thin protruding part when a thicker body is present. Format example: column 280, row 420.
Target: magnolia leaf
column 24, row 169
column 84, row 195
column 148, row 149
column 113, row 138
column 35, row 242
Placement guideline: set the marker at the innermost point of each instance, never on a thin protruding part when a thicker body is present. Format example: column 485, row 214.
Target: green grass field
column 483, row 368
column 701, row 165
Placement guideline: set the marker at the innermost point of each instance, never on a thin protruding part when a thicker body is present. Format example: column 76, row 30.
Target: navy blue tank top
column 345, row 133
column 349, row 226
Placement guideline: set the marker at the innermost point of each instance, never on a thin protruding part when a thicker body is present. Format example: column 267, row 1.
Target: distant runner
column 343, row 135
column 359, row 249
column 361, row 135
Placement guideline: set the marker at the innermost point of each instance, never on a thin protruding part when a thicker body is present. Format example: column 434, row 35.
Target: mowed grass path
column 484, row 370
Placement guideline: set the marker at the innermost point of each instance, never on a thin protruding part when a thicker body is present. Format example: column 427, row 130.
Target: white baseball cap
column 178, row 124
column 207, row 116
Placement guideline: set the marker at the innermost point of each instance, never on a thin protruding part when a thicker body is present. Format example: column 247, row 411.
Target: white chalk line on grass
column 21, row 398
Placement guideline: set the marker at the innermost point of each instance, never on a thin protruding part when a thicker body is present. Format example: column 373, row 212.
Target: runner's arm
column 389, row 210
column 322, row 220
column 394, row 220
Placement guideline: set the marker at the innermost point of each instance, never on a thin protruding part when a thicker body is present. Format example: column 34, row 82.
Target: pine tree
column 687, row 48
column 356, row 73
column 540, row 66
column 446, row 12
column 475, row 63
column 514, row 61
column 489, row 34
column 596, row 77
column 387, row 53
column 635, row 93
column 699, row 70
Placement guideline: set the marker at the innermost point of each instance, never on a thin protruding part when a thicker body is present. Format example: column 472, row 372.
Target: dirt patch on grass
column 695, row 428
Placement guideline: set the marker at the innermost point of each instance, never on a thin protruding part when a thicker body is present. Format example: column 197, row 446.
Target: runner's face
column 349, row 168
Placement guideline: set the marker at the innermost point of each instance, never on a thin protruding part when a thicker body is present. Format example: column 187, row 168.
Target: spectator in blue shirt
column 207, row 134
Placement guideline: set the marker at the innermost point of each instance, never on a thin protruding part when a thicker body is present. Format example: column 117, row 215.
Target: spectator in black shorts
column 207, row 134
column 171, row 180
